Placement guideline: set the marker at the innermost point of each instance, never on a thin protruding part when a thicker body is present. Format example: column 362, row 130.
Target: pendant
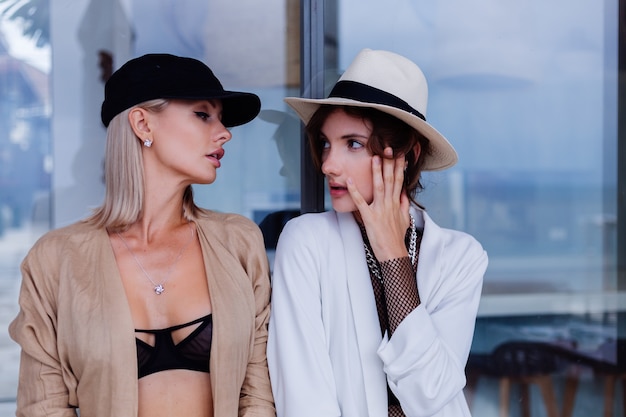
column 159, row 289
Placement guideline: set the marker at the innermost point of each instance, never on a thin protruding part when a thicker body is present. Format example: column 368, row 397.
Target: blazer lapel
column 227, row 282
column 428, row 267
column 364, row 313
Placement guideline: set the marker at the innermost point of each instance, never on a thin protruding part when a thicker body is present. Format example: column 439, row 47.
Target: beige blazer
column 77, row 336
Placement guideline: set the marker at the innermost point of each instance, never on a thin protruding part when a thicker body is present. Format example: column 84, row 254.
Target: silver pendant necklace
column 372, row 263
column 158, row 288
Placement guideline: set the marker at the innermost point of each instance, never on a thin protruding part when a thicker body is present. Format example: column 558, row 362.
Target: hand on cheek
column 386, row 218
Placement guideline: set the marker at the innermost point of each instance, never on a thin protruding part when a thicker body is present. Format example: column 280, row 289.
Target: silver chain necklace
column 372, row 263
column 158, row 288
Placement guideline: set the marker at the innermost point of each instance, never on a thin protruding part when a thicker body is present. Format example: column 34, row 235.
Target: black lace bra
column 191, row 353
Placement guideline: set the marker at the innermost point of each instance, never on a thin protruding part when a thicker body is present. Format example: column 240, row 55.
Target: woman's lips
column 215, row 157
column 337, row 190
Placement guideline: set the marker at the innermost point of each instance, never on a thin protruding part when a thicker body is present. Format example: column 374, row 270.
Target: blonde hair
column 124, row 175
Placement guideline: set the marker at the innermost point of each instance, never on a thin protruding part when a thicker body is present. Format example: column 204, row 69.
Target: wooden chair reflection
column 523, row 363
column 611, row 371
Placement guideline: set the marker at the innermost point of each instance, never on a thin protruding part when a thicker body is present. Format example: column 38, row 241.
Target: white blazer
column 325, row 352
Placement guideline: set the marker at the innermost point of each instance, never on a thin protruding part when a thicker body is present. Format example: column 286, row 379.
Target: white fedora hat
column 392, row 84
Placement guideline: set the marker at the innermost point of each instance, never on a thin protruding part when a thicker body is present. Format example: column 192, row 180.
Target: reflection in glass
column 520, row 91
column 526, row 92
column 25, row 159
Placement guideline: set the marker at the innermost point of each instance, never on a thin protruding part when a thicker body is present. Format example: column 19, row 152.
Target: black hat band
column 354, row 90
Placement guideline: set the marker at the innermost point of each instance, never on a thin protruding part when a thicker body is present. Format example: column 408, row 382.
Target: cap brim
column 443, row 154
column 238, row 108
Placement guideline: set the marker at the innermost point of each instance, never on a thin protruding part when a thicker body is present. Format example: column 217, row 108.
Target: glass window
column 525, row 91
column 50, row 112
column 527, row 94
column 25, row 161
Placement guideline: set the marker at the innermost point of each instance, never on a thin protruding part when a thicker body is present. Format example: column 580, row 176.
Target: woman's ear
column 138, row 119
column 417, row 149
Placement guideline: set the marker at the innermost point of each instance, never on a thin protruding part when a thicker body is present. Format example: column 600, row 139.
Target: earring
column 147, row 143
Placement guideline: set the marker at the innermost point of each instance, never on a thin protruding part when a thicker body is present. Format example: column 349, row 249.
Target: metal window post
column 312, row 63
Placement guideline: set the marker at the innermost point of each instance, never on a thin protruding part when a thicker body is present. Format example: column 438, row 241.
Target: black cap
column 155, row 76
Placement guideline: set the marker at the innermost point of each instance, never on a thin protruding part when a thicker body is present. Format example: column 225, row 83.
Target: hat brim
column 443, row 154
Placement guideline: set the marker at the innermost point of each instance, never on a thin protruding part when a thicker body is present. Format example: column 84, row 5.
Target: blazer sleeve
column 425, row 358
column 299, row 363
column 256, row 393
column 42, row 390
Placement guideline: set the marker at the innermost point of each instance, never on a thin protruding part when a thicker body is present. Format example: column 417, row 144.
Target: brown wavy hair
column 387, row 131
